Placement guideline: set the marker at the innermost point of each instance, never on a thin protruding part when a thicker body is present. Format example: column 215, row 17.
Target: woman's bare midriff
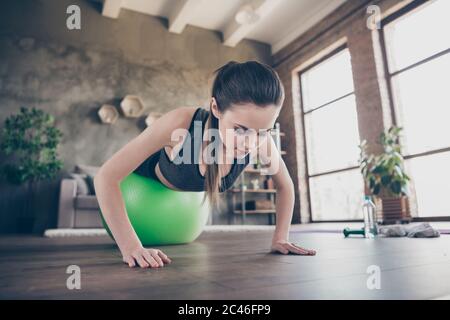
column 164, row 180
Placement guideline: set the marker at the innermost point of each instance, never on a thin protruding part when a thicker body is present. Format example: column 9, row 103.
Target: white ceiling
column 281, row 21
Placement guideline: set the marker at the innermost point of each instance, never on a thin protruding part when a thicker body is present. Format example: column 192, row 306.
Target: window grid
column 391, row 75
column 309, row 175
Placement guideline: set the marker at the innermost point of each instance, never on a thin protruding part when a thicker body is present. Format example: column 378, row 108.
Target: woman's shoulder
column 181, row 118
column 186, row 112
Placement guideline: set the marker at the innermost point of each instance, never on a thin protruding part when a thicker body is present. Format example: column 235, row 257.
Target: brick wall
column 346, row 25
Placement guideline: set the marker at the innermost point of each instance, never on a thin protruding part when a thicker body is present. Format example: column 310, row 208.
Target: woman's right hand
column 146, row 258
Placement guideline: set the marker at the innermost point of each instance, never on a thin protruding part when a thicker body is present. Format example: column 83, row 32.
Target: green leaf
column 378, row 169
column 376, row 189
column 396, row 187
column 31, row 139
column 372, row 182
column 385, row 180
column 399, row 171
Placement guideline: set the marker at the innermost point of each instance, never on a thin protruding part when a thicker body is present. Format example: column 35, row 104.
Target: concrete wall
column 70, row 74
column 347, row 24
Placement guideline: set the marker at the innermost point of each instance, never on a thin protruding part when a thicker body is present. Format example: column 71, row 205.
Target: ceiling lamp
column 246, row 15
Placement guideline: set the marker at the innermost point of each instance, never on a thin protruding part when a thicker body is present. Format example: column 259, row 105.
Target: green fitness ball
column 160, row 215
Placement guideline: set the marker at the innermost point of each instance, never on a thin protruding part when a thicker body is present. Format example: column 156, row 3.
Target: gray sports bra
column 186, row 176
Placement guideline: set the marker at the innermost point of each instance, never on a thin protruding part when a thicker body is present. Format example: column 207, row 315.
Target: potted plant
column 31, row 140
column 385, row 177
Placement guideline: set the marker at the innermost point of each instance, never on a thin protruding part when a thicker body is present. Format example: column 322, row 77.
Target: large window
column 417, row 43
column 336, row 186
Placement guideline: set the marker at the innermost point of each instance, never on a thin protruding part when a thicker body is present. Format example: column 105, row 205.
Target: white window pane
column 418, row 35
column 431, row 176
column 423, row 103
column 332, row 136
column 337, row 196
column 327, row 81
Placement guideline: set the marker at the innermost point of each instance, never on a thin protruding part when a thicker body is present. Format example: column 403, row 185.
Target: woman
column 245, row 103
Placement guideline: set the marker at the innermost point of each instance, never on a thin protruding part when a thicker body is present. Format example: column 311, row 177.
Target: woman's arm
column 120, row 165
column 285, row 198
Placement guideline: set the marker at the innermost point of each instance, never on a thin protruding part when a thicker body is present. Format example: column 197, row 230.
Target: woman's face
column 244, row 127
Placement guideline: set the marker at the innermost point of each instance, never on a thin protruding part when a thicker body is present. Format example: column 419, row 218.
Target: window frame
column 416, row 4
column 332, row 53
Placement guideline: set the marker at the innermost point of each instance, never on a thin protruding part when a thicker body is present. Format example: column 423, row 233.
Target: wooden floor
column 229, row 265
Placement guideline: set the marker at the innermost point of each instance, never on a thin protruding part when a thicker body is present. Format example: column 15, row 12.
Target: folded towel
column 395, row 230
column 423, row 230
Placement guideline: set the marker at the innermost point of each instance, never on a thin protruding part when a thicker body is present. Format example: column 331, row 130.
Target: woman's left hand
column 285, row 247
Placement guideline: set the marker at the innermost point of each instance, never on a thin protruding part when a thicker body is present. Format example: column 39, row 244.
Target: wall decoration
column 132, row 106
column 108, row 114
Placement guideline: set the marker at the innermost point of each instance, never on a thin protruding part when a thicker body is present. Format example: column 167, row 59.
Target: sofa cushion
column 90, row 183
column 88, row 219
column 86, row 202
column 82, row 185
column 90, row 172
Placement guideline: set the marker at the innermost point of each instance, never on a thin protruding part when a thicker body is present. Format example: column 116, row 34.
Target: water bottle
column 370, row 221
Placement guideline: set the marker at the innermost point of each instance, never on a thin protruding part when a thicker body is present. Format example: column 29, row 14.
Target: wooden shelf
column 260, row 211
column 252, row 170
column 255, row 191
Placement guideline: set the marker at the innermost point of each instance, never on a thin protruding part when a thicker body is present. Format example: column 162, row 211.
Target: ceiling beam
column 182, row 13
column 111, row 8
column 235, row 32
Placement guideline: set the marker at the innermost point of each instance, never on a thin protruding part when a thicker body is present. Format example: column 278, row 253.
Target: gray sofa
column 78, row 206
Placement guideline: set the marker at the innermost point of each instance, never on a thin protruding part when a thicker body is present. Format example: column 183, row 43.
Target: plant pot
column 26, row 214
column 391, row 210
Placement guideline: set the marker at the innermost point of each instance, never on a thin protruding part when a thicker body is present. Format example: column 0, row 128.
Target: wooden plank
column 255, row 190
column 260, row 211
column 229, row 265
